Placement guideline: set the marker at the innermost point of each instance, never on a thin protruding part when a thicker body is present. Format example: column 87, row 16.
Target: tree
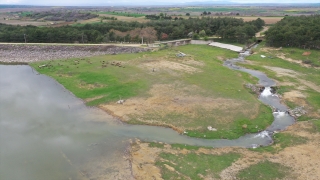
column 202, row 33
column 195, row 36
column 164, row 36
column 187, row 14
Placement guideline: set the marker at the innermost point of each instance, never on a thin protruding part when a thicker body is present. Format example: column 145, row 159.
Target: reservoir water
column 48, row 133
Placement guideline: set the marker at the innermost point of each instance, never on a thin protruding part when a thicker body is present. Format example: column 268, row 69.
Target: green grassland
column 79, row 75
column 264, row 170
column 194, row 166
column 93, row 78
column 122, row 14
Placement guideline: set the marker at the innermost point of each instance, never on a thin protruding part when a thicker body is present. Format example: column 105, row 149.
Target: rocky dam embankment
column 14, row 53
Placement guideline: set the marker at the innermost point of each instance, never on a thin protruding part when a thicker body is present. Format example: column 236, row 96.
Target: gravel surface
column 10, row 53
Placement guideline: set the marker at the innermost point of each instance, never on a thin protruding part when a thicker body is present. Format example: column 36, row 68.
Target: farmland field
column 268, row 20
column 123, row 14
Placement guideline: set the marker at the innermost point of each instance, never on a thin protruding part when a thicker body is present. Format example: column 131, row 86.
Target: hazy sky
column 135, row 2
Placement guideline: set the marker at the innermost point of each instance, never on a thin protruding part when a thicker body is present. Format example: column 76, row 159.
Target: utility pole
column 25, row 38
column 142, row 40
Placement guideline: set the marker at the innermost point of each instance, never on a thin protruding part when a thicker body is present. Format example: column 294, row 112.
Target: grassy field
column 264, row 170
column 267, row 20
column 82, row 78
column 187, row 94
column 188, row 166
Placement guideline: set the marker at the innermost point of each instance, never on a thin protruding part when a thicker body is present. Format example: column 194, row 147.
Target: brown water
column 47, row 133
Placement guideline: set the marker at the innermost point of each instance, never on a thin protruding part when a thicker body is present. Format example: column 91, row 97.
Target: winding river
column 48, row 133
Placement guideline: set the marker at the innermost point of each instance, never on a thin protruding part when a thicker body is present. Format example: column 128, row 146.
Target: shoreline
column 120, row 118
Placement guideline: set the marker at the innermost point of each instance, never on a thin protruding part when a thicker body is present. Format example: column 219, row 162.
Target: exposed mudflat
column 11, row 53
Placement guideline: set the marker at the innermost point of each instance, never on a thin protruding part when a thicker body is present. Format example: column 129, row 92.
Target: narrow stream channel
column 48, row 133
column 282, row 119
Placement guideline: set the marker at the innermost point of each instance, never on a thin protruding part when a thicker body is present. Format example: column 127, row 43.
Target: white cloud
column 10, row 1
column 136, row 2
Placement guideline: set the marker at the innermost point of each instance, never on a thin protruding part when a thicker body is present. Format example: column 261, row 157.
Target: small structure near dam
column 181, row 42
column 227, row 46
column 174, row 42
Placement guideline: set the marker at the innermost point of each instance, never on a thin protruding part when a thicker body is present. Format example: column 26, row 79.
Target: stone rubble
column 297, row 111
column 11, row 53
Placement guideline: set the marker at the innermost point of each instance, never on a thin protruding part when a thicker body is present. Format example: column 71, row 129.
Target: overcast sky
column 134, row 2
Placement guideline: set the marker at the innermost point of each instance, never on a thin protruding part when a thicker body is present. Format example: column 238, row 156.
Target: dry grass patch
column 164, row 65
column 178, row 106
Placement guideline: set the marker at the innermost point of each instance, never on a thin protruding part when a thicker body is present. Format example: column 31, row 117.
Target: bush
column 195, row 36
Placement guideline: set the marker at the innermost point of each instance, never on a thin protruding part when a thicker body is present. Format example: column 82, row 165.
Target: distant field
column 221, row 9
column 126, row 18
column 25, row 13
column 268, row 20
column 23, row 23
column 122, row 14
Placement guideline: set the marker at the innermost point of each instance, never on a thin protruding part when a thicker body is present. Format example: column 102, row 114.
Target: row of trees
column 228, row 28
column 61, row 15
column 302, row 31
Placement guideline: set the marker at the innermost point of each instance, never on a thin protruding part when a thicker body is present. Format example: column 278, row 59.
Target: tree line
column 226, row 27
column 302, row 32
column 61, row 15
